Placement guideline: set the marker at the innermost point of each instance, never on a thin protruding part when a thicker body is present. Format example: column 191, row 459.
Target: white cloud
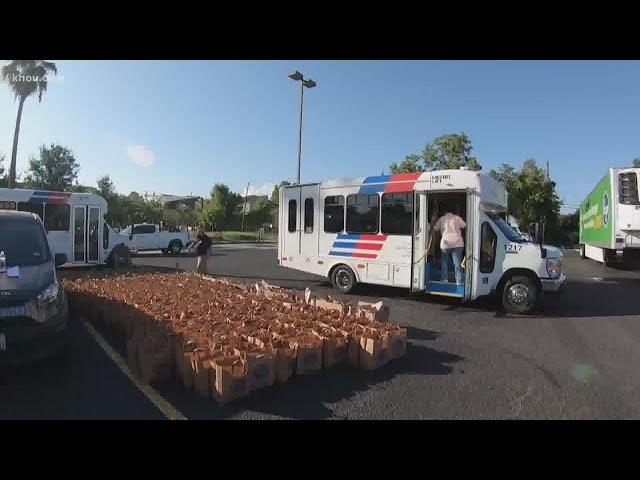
column 265, row 189
column 141, row 155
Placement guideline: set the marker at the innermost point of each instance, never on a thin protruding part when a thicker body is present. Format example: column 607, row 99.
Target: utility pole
column 244, row 208
column 548, row 177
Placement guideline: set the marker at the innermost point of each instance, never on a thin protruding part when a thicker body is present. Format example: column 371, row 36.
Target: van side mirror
column 60, row 259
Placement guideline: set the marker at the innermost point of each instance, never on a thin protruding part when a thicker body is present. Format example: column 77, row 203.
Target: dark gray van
column 34, row 313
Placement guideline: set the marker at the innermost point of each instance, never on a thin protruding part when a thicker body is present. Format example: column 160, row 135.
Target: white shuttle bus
column 376, row 230
column 74, row 223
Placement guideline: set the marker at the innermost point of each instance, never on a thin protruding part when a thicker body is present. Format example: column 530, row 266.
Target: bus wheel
column 582, row 252
column 519, row 294
column 343, row 279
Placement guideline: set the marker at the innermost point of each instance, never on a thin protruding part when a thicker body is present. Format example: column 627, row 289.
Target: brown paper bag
column 395, row 341
column 132, row 355
column 230, row 379
column 154, row 361
column 373, row 311
column 201, row 375
column 259, row 367
column 308, row 355
column 372, row 353
column 285, row 361
column 185, row 368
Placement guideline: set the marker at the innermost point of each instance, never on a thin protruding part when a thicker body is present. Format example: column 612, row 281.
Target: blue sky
column 179, row 127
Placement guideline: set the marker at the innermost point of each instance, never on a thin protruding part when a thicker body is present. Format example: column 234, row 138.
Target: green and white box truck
column 610, row 218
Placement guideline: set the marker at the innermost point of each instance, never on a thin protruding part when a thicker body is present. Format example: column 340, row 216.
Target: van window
column 37, row 208
column 57, row 217
column 23, row 242
column 334, row 214
column 488, row 240
column 396, row 213
column 293, row 214
column 363, row 213
column 137, row 229
column 308, row 215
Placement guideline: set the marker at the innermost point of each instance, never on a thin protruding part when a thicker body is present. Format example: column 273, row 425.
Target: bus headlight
column 554, row 267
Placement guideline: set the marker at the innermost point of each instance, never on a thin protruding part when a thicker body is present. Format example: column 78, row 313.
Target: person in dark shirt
column 203, row 248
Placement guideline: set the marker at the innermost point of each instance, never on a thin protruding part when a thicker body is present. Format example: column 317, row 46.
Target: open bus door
column 420, row 235
column 473, row 207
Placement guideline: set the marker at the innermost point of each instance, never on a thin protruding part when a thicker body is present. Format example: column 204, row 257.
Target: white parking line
column 167, row 409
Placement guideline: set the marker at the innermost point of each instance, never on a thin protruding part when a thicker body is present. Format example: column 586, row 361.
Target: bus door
column 290, row 223
column 420, row 239
column 471, row 239
column 93, row 234
column 86, row 234
column 79, row 234
column 309, row 219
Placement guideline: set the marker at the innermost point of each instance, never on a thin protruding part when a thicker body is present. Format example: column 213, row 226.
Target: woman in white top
column 451, row 243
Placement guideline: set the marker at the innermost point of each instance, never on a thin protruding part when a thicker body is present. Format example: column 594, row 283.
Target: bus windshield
column 505, row 228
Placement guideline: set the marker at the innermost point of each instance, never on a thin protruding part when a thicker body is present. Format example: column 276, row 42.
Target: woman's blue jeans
column 456, row 255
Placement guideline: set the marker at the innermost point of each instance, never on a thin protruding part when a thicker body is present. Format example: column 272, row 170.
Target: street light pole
column 308, row 83
column 300, row 131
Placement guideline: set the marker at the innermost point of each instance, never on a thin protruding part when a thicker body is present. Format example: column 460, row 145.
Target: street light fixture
column 308, row 83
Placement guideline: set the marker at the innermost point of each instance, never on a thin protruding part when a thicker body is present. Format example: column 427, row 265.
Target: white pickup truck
column 145, row 236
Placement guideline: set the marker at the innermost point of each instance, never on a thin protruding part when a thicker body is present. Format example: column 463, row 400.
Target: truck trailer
column 610, row 219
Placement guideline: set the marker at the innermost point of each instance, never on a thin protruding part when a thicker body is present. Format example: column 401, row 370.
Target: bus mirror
column 60, row 259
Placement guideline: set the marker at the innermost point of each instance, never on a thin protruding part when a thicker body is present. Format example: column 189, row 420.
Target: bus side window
column 105, row 236
column 363, row 213
column 293, row 216
column 334, row 214
column 488, row 240
column 57, row 218
column 37, row 208
column 308, row 215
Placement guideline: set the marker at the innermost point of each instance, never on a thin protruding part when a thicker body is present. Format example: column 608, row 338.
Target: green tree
column 450, row 151
column 55, row 169
column 506, row 175
column 25, row 78
column 275, row 195
column 411, row 163
column 213, row 215
column 223, row 197
column 105, row 187
column 260, row 214
column 569, row 229
column 533, row 197
column 636, row 162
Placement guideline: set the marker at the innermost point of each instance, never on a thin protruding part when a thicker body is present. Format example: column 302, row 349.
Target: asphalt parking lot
column 574, row 359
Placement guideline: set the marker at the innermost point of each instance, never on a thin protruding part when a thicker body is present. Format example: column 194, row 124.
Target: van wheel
column 343, row 279
column 582, row 252
column 519, row 294
column 175, row 246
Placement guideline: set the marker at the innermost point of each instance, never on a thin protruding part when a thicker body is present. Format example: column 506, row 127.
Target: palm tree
column 25, row 77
